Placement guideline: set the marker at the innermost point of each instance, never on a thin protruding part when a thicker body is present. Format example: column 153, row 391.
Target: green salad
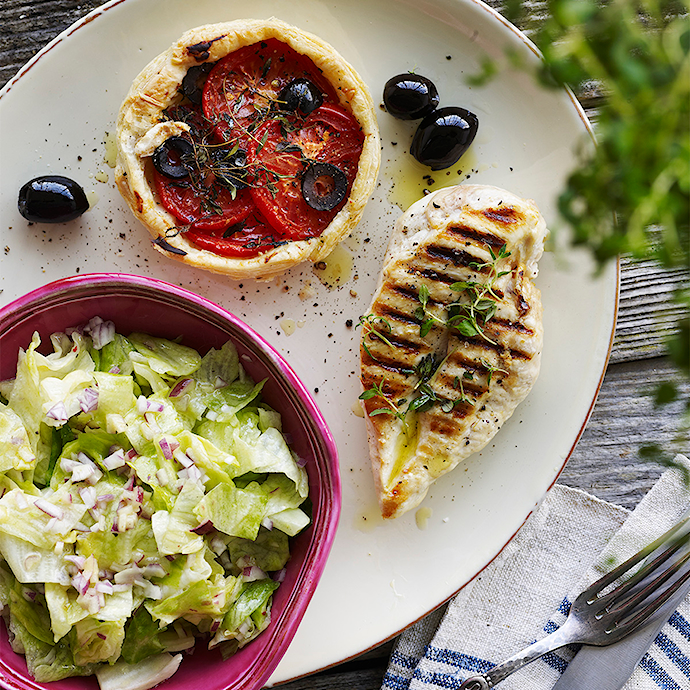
column 148, row 496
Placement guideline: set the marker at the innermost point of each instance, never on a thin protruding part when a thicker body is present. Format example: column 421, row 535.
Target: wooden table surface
column 606, row 461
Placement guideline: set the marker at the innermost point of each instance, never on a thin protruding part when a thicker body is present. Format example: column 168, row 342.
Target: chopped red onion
column 29, row 594
column 128, row 576
column 130, row 484
column 58, row 412
column 104, row 586
column 162, row 477
column 280, row 575
column 121, row 588
column 194, row 473
column 184, row 459
column 155, row 406
column 219, row 383
column 68, row 465
column 114, row 370
column 101, row 635
column 79, row 561
column 253, row 573
column 49, row 508
column 88, row 496
column 114, row 460
column 131, row 454
column 301, row 462
column 82, row 472
column 105, row 498
column 215, row 625
column 80, row 583
column 179, row 388
column 204, row 528
column 142, row 404
column 267, row 523
column 101, row 332
column 21, row 501
column 154, row 570
column 88, row 400
column 165, row 447
column 52, row 525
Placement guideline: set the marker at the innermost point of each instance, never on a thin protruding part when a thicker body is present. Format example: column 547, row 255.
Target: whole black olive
column 443, row 136
column 323, row 186
column 410, row 96
column 52, row 199
column 169, row 157
column 194, row 80
column 300, row 95
column 230, row 168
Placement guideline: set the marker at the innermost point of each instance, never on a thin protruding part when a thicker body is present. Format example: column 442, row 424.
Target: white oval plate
column 54, row 117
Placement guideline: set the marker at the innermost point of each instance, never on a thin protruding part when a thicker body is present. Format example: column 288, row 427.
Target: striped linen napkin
column 520, row 596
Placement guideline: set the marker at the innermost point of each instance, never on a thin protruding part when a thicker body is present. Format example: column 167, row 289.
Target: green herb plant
column 630, row 194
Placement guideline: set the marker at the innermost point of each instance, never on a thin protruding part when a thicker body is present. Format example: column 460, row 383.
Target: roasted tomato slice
column 279, row 155
column 243, row 87
column 210, row 208
column 245, row 239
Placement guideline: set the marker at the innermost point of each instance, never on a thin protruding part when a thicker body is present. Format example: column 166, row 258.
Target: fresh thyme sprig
column 369, row 330
column 470, row 317
column 376, row 391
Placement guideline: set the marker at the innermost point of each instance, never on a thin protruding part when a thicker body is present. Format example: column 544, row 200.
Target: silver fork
column 603, row 614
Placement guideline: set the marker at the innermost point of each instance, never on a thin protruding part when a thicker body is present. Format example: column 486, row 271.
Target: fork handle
column 555, row 640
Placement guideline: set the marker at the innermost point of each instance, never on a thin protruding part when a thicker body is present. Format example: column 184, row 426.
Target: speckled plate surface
column 55, row 118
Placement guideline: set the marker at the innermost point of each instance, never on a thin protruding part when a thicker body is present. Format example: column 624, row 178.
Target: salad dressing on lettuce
column 148, row 496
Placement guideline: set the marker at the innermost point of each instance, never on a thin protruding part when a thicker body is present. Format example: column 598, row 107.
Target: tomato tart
column 247, row 147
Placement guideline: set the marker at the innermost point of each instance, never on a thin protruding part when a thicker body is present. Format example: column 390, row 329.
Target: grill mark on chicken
column 503, row 214
column 465, row 232
column 499, row 348
column 394, row 314
column 458, row 257
column 516, row 326
column 432, row 275
column 449, row 381
column 404, row 291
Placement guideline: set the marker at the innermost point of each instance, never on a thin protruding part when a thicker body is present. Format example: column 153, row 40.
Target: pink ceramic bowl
column 135, row 303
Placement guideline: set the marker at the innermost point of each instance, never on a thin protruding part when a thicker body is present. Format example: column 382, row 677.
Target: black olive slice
column 323, row 186
column 230, row 168
column 52, row 199
column 444, row 136
column 410, row 96
column 194, row 80
column 169, row 158
column 300, row 95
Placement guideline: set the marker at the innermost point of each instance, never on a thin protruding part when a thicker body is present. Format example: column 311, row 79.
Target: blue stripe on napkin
column 673, row 652
column 680, row 624
column 657, row 674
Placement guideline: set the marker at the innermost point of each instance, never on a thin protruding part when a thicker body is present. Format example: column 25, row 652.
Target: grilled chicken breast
column 453, row 339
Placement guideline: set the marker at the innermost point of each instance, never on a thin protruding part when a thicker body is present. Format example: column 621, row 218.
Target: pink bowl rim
column 295, row 607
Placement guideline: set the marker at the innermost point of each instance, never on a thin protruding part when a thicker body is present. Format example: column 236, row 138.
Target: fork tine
column 618, row 594
column 630, row 599
column 644, row 614
column 591, row 592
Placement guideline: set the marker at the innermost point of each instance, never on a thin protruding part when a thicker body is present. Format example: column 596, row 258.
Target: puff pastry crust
column 140, row 130
column 469, row 235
